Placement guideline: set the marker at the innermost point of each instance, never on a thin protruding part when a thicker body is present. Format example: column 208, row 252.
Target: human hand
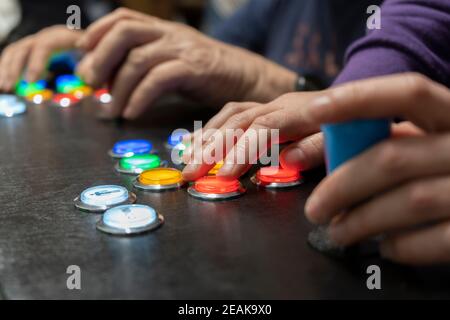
column 398, row 188
column 32, row 54
column 143, row 57
column 254, row 121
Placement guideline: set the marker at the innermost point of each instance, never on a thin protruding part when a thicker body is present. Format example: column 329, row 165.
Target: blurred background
column 19, row 18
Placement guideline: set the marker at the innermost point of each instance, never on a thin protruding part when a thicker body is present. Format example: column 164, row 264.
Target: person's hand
column 32, row 53
column 255, row 121
column 142, row 57
column 399, row 188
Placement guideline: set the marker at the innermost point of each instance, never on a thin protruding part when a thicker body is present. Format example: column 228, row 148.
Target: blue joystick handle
column 346, row 140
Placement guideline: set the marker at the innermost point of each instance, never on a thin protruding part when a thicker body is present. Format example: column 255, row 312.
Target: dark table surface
column 253, row 247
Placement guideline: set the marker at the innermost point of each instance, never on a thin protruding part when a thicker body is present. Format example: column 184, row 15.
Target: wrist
column 270, row 81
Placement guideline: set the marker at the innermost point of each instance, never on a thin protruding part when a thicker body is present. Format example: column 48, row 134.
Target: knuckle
column 391, row 160
column 418, row 86
column 137, row 57
column 420, row 199
column 122, row 12
column 265, row 121
column 237, row 119
column 233, row 107
column 122, row 27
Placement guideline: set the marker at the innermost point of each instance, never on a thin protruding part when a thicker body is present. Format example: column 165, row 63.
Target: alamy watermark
column 73, row 281
column 73, row 22
column 374, row 20
column 374, row 280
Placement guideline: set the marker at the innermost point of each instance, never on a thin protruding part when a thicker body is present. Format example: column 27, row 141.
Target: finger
column 305, row 154
column 406, row 129
column 6, row 64
column 273, row 128
column 113, row 48
column 46, row 42
column 139, row 62
column 382, row 167
column 429, row 245
column 229, row 110
column 6, row 57
column 410, row 96
column 97, row 30
column 213, row 144
column 38, row 61
column 164, row 78
column 412, row 204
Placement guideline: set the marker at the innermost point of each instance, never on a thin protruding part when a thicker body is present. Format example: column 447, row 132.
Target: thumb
column 304, row 154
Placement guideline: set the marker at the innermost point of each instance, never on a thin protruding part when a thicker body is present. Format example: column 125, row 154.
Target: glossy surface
column 11, row 106
column 253, row 247
column 104, row 195
column 40, row 96
column 65, row 100
column 277, row 175
column 130, row 148
column 143, row 162
column 214, row 185
column 129, row 216
column 160, row 176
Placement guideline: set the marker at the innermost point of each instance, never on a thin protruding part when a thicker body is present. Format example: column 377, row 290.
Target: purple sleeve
column 414, row 36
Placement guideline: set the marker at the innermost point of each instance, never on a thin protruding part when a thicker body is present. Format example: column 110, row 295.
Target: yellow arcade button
column 216, row 169
column 82, row 92
column 159, row 179
column 40, row 96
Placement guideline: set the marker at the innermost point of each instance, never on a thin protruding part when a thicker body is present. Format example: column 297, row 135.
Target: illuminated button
column 159, row 179
column 82, row 92
column 65, row 100
column 215, row 188
column 68, row 83
column 103, row 96
column 130, row 219
column 138, row 164
column 175, row 139
column 216, row 169
column 40, row 97
column 24, row 89
column 277, row 177
column 101, row 198
column 11, row 106
column 129, row 148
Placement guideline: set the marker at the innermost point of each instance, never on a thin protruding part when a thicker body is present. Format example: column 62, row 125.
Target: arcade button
column 129, row 220
column 175, row 139
column 82, row 92
column 276, row 177
column 102, row 96
column 40, row 97
column 138, row 164
column 68, row 83
column 215, row 169
column 101, row 198
column 65, row 100
column 24, row 88
column 159, row 179
column 11, row 106
column 129, row 148
column 213, row 188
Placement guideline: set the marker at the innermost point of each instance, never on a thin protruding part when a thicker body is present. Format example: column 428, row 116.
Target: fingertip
column 312, row 211
column 293, row 159
column 129, row 114
column 190, row 172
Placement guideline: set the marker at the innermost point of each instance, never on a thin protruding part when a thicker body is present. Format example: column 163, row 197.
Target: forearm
column 413, row 37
